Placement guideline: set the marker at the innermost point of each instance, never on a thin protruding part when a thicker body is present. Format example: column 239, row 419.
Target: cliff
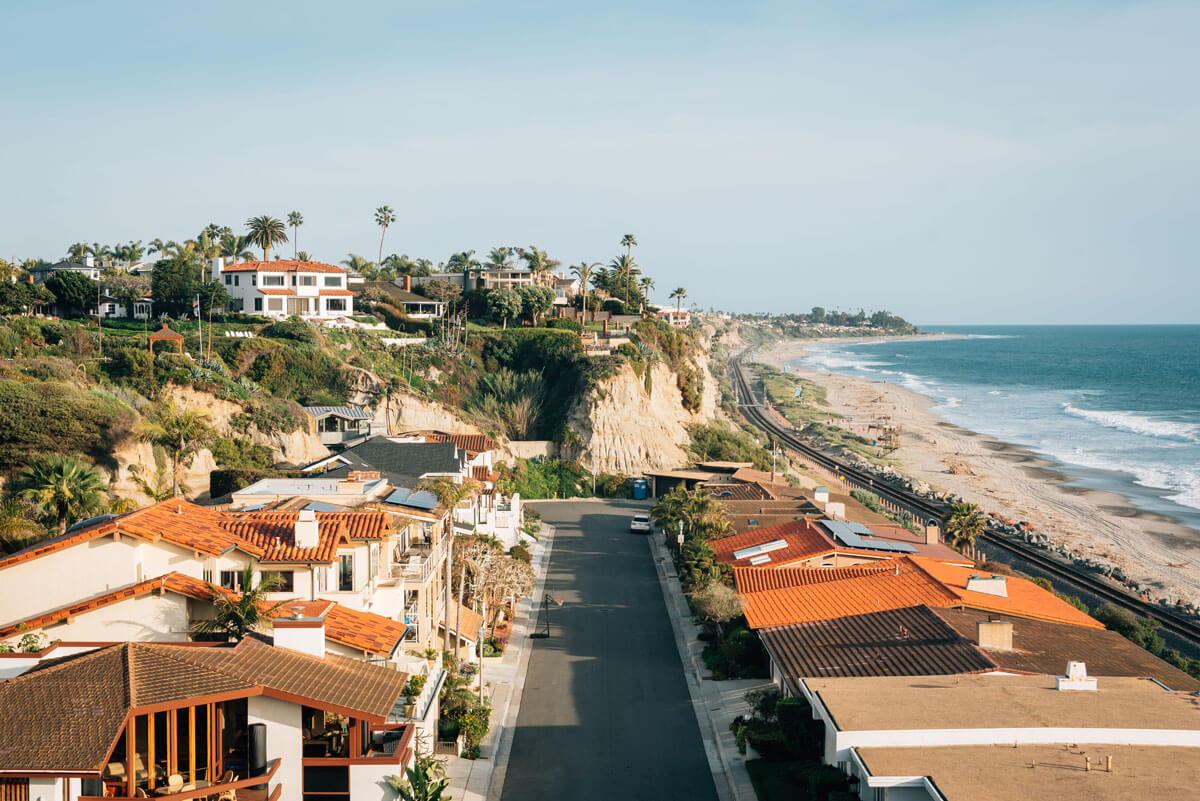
column 626, row 424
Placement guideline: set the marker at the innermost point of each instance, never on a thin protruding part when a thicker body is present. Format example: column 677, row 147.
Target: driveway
column 605, row 713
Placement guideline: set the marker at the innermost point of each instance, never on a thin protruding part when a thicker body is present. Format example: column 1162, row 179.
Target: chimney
column 1076, row 678
column 994, row 634
column 301, row 628
column 307, row 533
column 408, row 283
column 89, row 260
column 217, row 265
column 821, row 494
column 835, row 511
column 988, row 585
column 933, row 535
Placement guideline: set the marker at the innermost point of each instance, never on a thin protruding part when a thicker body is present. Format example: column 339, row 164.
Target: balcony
column 416, row 709
column 230, row 788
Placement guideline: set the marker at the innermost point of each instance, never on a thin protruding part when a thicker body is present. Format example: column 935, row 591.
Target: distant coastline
column 1155, row 550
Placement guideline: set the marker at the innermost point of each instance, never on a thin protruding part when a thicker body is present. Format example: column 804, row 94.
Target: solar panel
column 857, row 535
column 757, row 550
column 760, row 560
column 419, row 499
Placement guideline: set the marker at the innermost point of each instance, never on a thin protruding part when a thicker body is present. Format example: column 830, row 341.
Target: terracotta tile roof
column 1043, row 647
column 365, row 631
column 1025, row 599
column 761, row 579
column 283, row 266
column 804, row 541
column 471, row 621
column 904, row 585
column 336, row 292
column 268, row 536
column 911, row 641
column 485, row 474
column 268, row 291
column 474, row 444
column 738, row 492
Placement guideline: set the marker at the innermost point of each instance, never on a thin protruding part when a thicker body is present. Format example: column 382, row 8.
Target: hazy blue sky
column 950, row 161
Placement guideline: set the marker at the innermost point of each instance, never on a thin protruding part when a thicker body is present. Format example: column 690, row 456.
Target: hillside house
column 287, row 288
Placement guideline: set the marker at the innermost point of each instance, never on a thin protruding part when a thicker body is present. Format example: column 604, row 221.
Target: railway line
column 898, row 498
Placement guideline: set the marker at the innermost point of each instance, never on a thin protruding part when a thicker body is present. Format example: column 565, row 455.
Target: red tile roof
column 485, row 474
column 804, row 541
column 753, row 491
column 268, row 291
column 760, row 579
column 269, row 536
column 471, row 443
column 336, row 292
column 283, row 266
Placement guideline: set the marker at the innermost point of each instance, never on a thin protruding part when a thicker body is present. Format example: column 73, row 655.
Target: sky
column 952, row 162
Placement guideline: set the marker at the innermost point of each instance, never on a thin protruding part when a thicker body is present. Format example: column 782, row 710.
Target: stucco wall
column 284, row 741
column 47, row 789
column 368, row 782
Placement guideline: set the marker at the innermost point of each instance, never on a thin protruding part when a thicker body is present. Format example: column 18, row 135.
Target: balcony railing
column 241, row 789
column 420, row 561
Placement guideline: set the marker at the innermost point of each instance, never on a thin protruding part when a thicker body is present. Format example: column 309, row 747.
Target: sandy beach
column 1016, row 483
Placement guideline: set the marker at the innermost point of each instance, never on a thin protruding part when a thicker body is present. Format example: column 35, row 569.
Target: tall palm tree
column 236, row 247
column 963, row 524
column 583, row 271
column 63, row 487
column 239, row 614
column 462, row 262
column 624, row 267
column 359, row 265
column 266, row 232
column 158, row 246
column 180, row 432
column 384, row 216
column 646, row 284
column 629, row 243
column 77, row 252
column 295, row 219
column 498, row 257
column 679, row 294
column 103, row 253
column 539, row 261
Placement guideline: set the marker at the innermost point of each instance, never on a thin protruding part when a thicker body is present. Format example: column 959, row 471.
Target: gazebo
column 165, row 334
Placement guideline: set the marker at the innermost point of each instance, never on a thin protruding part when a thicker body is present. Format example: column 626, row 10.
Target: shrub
column 803, row 736
column 474, row 725
column 55, row 417
column 564, row 323
column 522, row 553
column 719, row 443
column 291, row 328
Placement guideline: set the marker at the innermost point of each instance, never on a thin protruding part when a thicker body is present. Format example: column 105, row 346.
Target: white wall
column 368, row 782
column 284, row 741
column 147, row 617
column 47, row 789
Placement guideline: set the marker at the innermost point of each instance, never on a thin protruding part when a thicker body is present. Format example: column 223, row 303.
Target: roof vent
column 994, row 634
column 989, row 585
column 307, row 533
column 1076, row 678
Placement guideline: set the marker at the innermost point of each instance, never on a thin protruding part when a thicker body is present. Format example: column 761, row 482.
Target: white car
column 640, row 524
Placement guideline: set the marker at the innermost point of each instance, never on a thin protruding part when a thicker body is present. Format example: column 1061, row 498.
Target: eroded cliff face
column 623, row 427
column 294, row 447
column 401, row 411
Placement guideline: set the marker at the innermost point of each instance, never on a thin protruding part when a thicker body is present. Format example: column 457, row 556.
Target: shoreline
column 1157, row 552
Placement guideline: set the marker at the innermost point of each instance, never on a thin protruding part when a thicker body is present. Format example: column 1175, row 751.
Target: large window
column 308, row 280
column 333, row 280
column 373, row 561
column 285, row 579
column 335, row 304
column 274, row 304
column 346, row 573
column 231, row 579
column 272, row 280
column 258, row 304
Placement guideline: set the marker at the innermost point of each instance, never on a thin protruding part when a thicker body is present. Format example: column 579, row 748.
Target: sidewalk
column 716, row 703
column 483, row 779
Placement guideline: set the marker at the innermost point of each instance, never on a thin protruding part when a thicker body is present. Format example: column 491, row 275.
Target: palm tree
column 64, row 487
column 629, row 243
column 17, row 528
column 679, row 294
column 384, row 216
column 538, row 261
column 103, row 253
column 963, row 524
column 624, row 267
column 181, row 433
column 498, row 258
column 236, row 248
column 77, row 252
column 158, row 246
column 132, row 252
column 266, row 232
column 295, row 219
column 241, row 614
column 359, row 265
column 647, row 284
column 583, row 271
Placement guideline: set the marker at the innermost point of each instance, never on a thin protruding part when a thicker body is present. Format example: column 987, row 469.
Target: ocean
column 1118, row 407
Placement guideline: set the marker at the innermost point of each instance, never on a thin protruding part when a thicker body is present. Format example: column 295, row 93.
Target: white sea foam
column 1176, row 483
column 1137, row 423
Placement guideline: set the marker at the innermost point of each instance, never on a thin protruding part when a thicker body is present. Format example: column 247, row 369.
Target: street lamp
column 547, row 599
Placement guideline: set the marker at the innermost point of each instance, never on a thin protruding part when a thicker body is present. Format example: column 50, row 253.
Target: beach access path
column 1013, row 481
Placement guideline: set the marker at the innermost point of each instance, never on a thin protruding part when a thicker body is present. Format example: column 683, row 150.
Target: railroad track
column 900, row 499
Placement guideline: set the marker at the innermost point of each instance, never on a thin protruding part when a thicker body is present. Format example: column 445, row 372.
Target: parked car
column 640, row 524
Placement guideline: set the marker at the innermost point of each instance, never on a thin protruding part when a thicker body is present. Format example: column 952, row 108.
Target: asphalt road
column 605, row 712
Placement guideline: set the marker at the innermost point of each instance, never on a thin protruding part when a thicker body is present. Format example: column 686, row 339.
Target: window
column 258, row 304
column 335, row 304
column 308, row 280
column 322, row 579
column 346, row 573
column 285, row 579
column 274, row 304
column 272, row 280
column 373, row 560
column 229, row 280
column 207, row 575
column 333, row 280
column 236, row 280
column 231, row 579
column 326, row 783
column 253, row 279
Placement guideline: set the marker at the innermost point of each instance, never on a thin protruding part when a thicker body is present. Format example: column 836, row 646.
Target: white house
column 285, row 288
column 87, row 268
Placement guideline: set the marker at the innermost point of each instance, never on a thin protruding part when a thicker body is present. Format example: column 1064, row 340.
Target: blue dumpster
column 640, row 489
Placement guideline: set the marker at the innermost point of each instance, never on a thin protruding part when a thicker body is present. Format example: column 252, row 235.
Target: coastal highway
column 896, row 497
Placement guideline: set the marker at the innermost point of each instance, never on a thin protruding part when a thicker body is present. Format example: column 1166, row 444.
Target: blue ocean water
column 1117, row 406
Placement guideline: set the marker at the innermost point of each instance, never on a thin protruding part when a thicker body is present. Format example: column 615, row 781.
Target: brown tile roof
column 761, row 579
column 336, row 292
column 283, row 266
column 900, row 642
column 472, row 621
column 1043, row 647
column 268, row 535
column 738, row 492
column 65, row 716
column 473, row 444
column 485, row 474
column 269, row 291
column 804, row 541
column 903, row 585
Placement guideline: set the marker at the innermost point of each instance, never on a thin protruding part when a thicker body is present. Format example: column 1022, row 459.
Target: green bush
column 803, row 736
column 303, row 373
column 55, row 417
column 521, row 552
column 564, row 323
column 292, row 328
column 718, row 443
